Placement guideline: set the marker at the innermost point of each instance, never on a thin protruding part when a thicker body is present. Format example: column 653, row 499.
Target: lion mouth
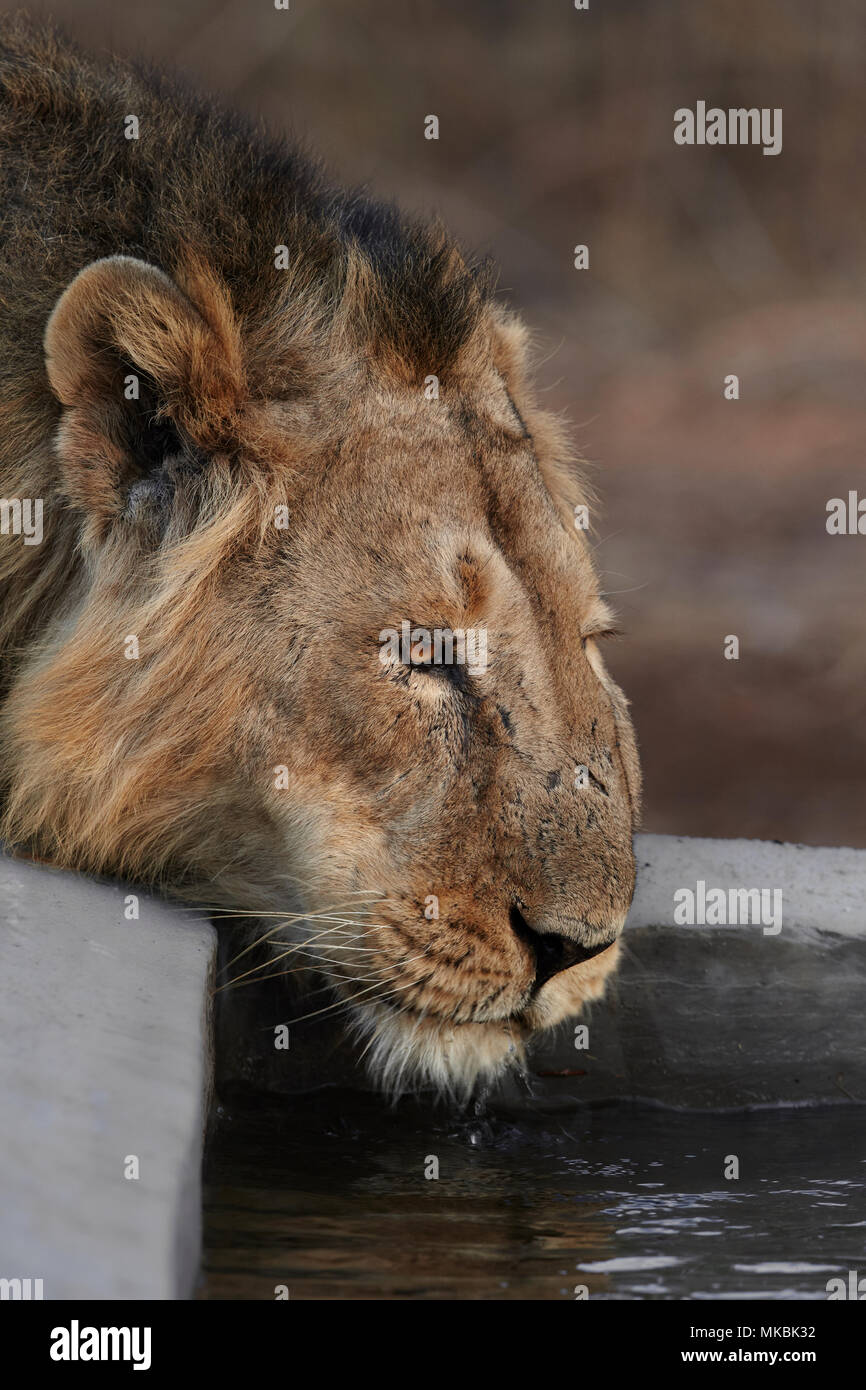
column 407, row 1048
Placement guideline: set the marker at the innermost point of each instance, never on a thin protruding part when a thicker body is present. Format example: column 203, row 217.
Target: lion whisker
column 283, row 922
column 342, row 1003
column 292, row 950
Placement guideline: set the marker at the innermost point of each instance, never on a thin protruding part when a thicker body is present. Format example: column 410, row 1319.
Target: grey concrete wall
column 104, row 1055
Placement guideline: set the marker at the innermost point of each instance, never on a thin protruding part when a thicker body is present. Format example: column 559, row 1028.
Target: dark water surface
column 326, row 1194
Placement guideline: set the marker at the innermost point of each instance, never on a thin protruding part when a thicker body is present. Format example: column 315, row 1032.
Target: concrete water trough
column 106, row 1019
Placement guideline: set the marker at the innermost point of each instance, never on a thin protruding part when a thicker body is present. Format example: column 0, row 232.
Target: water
column 326, row 1194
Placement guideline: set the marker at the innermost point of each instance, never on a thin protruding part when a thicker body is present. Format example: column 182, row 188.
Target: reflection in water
column 327, row 1195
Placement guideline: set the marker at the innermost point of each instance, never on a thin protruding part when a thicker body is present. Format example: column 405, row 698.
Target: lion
column 271, row 426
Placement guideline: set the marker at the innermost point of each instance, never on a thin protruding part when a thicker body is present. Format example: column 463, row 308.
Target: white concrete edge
column 823, row 889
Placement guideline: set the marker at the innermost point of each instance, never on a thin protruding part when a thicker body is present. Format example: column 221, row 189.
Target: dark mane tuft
column 200, row 184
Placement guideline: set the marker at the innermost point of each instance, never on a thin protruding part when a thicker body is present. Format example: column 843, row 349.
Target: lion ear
column 141, row 374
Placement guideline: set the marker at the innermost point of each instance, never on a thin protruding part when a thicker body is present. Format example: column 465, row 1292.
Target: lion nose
column 552, row 951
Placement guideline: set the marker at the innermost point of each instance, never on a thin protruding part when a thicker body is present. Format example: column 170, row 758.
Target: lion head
column 315, row 635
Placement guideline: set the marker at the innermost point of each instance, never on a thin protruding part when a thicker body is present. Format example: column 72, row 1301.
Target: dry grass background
column 557, row 128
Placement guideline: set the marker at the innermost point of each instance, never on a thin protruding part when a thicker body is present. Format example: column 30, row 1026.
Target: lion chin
column 406, row 1052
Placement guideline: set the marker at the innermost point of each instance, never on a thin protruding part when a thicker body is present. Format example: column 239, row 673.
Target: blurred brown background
column 556, row 128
